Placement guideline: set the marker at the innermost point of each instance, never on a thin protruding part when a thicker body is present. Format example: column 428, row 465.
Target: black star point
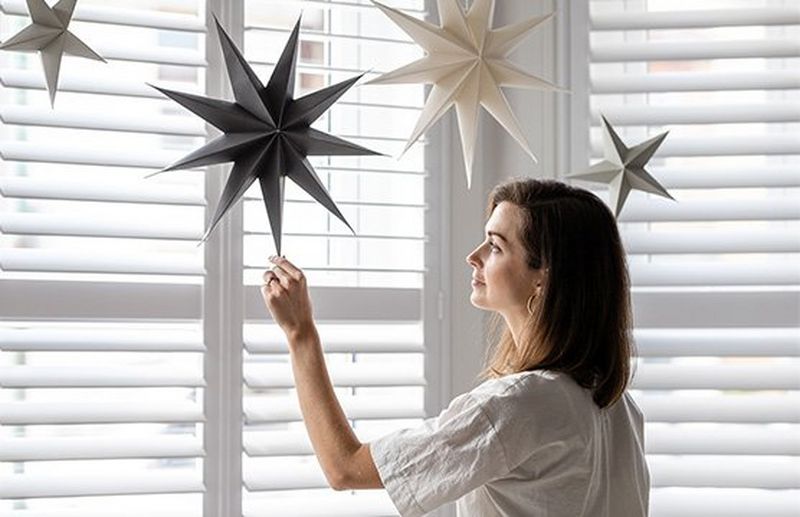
column 267, row 133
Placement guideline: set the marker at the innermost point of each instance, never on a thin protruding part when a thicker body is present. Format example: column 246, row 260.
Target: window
column 715, row 275
column 124, row 347
column 367, row 290
column 101, row 346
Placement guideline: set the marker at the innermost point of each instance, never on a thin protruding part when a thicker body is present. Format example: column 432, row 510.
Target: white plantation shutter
column 716, row 274
column 101, row 342
column 367, row 289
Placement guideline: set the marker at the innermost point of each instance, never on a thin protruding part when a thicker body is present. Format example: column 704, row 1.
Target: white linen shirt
column 527, row 444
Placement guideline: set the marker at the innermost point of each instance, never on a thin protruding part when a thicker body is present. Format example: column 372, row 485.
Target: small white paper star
column 466, row 63
column 623, row 167
column 49, row 35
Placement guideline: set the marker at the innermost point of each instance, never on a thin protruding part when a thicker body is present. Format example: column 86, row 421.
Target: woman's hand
column 286, row 296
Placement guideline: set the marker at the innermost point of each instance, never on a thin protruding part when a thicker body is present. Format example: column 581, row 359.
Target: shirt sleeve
column 444, row 458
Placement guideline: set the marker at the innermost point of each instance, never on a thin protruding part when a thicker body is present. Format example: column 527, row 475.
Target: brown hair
column 581, row 321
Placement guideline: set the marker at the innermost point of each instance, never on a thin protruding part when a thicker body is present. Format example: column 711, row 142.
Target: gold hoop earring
column 528, row 305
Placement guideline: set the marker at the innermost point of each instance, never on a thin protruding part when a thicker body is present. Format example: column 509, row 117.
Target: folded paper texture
column 466, row 62
column 623, row 167
column 266, row 134
column 48, row 35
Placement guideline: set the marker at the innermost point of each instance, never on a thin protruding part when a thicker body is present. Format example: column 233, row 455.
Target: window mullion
column 223, row 308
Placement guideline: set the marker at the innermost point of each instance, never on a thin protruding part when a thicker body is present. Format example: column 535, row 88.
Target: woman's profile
column 550, row 430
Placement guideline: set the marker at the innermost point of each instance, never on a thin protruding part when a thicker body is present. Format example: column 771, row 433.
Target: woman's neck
column 516, row 323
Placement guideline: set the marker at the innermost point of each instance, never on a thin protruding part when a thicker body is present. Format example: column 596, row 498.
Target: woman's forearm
column 332, row 438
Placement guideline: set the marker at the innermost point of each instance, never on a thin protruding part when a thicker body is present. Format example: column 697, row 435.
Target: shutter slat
column 288, row 476
column 62, row 340
column 686, row 177
column 286, row 409
column 51, row 260
column 35, row 413
column 162, row 511
column 718, row 342
column 83, row 226
column 118, row 16
column 720, row 307
column 720, row 408
column 316, row 35
column 89, row 83
column 640, row 209
column 717, row 241
column 349, row 374
column 287, row 443
column 701, row 18
column 692, row 50
column 731, row 145
column 678, row 376
column 257, row 199
column 386, row 338
column 276, row 443
column 723, row 502
column 630, row 115
column 364, row 304
column 100, row 300
column 340, row 5
column 333, row 504
column 162, row 125
column 772, row 472
column 694, row 81
column 731, row 439
column 153, row 159
column 712, row 273
column 345, row 269
column 27, row 486
column 343, row 235
column 36, row 152
column 120, row 192
column 309, row 67
column 153, row 55
column 99, row 447
column 95, row 377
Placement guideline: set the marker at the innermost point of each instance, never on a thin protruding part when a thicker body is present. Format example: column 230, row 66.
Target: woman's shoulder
column 534, row 385
column 541, row 403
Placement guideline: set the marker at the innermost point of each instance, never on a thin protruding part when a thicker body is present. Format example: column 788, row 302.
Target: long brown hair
column 582, row 321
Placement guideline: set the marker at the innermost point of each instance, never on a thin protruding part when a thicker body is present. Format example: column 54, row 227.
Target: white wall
column 457, row 226
column 498, row 157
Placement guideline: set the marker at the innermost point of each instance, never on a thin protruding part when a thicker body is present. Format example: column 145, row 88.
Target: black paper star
column 267, row 133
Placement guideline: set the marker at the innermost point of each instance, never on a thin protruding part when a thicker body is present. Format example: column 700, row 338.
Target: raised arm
column 345, row 461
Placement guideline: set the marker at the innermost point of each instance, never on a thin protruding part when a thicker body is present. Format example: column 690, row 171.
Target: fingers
column 293, row 271
column 267, row 275
column 283, row 277
column 271, row 286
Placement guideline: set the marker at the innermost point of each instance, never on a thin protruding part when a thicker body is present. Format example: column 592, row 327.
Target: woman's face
column 502, row 281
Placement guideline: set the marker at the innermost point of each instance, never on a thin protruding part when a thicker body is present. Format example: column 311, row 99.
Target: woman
column 551, row 430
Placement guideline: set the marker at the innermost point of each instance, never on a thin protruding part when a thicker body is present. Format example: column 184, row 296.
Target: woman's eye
column 494, row 248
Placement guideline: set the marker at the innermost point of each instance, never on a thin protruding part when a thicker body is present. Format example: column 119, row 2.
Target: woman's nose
column 472, row 258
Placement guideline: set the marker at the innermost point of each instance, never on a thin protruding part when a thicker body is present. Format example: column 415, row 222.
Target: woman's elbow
column 337, row 481
column 359, row 472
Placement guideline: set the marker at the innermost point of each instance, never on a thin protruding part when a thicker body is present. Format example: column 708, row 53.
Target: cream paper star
column 466, row 62
column 623, row 167
column 49, row 35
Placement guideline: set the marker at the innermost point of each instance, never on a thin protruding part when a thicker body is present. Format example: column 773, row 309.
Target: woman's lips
column 476, row 283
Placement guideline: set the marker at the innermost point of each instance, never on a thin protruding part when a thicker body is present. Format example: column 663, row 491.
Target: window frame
column 227, row 302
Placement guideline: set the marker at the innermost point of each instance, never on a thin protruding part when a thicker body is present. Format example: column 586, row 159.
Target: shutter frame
column 692, row 334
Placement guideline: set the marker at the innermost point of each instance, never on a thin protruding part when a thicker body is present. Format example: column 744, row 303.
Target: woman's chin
column 477, row 300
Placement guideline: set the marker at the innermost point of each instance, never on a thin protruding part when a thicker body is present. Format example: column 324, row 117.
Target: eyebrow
column 497, row 234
